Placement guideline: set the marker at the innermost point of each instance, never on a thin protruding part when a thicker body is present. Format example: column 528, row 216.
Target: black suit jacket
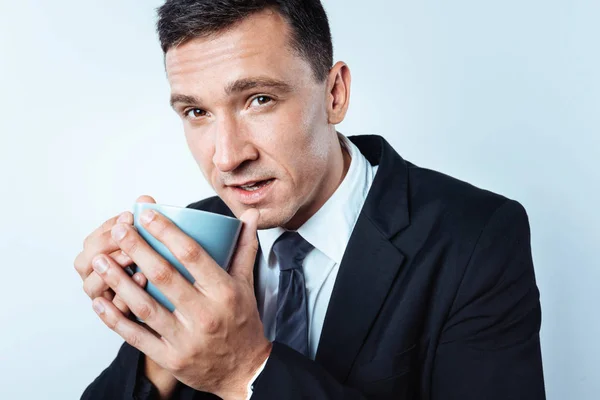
column 435, row 299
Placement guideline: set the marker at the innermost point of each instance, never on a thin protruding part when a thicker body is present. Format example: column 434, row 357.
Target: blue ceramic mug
column 217, row 234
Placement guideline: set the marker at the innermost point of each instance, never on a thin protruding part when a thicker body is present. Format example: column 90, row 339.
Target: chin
column 270, row 218
column 269, row 221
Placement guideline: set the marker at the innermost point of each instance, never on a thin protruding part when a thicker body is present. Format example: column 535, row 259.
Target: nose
column 232, row 146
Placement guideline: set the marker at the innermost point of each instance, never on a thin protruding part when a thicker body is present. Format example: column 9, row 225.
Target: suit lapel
column 365, row 277
column 371, row 261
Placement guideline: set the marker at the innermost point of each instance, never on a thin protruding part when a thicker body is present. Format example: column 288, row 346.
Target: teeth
column 254, row 186
column 250, row 188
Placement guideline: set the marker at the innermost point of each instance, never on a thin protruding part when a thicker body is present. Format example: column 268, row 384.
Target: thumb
column 145, row 199
column 242, row 264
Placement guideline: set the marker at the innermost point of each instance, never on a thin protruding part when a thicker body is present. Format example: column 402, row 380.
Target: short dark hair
column 182, row 20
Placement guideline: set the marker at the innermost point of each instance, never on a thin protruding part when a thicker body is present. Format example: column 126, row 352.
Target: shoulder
column 458, row 210
column 464, row 233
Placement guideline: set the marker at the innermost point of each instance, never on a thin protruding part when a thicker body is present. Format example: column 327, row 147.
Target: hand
column 214, row 340
column 101, row 242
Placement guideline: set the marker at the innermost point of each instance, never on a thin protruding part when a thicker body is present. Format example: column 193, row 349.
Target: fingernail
column 98, row 307
column 100, row 265
column 123, row 218
column 137, row 278
column 147, row 216
column 118, row 232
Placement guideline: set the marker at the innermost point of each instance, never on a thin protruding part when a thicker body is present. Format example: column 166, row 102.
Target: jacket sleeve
column 490, row 347
column 124, row 379
column 291, row 376
column 120, row 379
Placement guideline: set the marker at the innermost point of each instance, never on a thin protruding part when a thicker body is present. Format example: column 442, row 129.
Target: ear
column 338, row 92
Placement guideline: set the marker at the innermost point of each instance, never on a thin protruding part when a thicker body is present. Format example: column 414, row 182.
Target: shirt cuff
column 251, row 383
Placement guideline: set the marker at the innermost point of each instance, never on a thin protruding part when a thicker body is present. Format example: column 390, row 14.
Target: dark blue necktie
column 292, row 305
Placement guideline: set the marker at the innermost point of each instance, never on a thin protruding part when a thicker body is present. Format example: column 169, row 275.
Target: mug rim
column 190, row 209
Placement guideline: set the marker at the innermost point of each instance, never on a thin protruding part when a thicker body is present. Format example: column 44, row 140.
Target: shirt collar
column 329, row 229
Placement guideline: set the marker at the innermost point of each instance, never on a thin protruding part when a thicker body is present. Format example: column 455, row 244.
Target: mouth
column 252, row 192
column 254, row 186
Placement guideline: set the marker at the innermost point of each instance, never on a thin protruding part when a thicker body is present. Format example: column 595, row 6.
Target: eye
column 261, row 100
column 195, row 113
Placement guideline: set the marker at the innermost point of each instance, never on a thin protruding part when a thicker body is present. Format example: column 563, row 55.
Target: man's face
column 255, row 119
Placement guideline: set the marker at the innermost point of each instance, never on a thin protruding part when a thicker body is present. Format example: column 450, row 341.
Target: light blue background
column 505, row 95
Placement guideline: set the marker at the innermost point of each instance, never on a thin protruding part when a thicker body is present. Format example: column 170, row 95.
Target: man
column 368, row 278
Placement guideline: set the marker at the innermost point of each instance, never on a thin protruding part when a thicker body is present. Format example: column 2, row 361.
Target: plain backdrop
column 505, row 95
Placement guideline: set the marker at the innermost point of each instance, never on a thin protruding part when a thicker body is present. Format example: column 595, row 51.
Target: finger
column 158, row 270
column 108, row 295
column 125, row 218
column 132, row 332
column 206, row 272
column 121, row 305
column 242, row 264
column 95, row 286
column 137, row 299
column 145, row 199
column 140, row 279
column 102, row 244
column 121, row 258
column 105, row 226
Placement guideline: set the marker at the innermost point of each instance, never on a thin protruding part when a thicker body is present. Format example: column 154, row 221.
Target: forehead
column 256, row 46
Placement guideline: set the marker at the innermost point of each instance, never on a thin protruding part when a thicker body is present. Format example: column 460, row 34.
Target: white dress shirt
column 328, row 231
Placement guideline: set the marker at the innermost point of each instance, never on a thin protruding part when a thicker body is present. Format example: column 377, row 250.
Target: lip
column 245, row 183
column 251, row 198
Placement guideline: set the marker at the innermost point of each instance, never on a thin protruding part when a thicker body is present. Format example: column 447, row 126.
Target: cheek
column 297, row 140
column 202, row 151
column 312, row 138
column 298, row 129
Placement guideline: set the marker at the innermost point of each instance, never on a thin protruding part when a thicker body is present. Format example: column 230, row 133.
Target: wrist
column 162, row 379
column 241, row 389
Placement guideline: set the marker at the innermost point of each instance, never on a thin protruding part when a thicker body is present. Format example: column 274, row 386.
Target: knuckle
column 111, row 322
column 79, row 264
column 87, row 289
column 131, row 246
column 190, row 252
column 230, row 297
column 210, row 324
column 132, row 338
column 145, row 312
column 253, row 244
column 176, row 364
column 93, row 288
column 163, row 274
column 120, row 305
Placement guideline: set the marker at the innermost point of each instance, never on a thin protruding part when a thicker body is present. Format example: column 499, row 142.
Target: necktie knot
column 290, row 250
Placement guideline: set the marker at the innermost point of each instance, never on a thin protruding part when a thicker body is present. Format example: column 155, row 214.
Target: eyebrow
column 183, row 98
column 238, row 86
column 242, row 85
